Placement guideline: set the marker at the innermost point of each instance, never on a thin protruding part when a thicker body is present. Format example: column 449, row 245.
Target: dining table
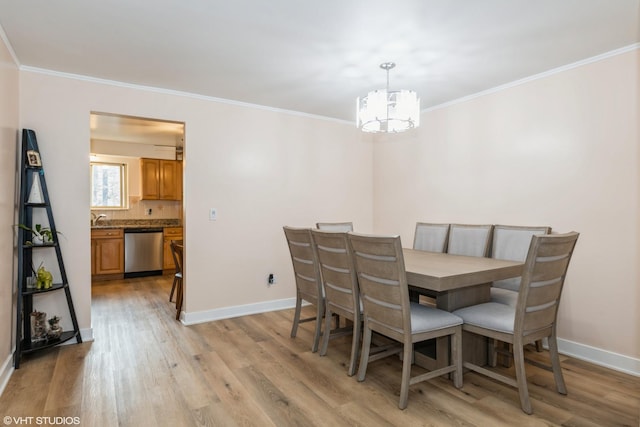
column 456, row 281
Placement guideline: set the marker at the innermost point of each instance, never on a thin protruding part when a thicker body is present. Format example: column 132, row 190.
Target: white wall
column 261, row 169
column 8, row 168
column 560, row 151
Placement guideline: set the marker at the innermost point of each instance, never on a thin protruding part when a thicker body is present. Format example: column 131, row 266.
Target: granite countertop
column 137, row 223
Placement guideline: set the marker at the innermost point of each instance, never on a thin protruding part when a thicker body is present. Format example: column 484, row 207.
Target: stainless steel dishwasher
column 143, row 251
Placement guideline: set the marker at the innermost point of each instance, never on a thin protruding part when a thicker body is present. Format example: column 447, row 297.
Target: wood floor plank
column 233, row 395
column 146, row 368
column 99, row 395
column 281, row 408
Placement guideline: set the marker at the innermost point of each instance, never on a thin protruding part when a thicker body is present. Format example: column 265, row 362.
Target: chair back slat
column 431, row 237
column 338, row 273
column 469, row 240
column 549, row 268
column 542, row 282
column 305, row 264
column 545, row 292
column 383, row 283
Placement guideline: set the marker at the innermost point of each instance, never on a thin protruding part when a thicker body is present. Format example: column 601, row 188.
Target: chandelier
column 388, row 111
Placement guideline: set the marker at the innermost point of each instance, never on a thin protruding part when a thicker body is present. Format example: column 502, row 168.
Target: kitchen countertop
column 137, row 223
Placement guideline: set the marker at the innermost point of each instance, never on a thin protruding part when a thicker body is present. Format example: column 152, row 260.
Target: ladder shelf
column 34, row 198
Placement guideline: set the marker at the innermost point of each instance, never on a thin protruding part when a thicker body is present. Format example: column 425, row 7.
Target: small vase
column 54, row 332
column 38, row 326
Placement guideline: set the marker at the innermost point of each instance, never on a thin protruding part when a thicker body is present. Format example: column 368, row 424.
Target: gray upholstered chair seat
column 424, row 318
column 504, row 296
column 490, row 315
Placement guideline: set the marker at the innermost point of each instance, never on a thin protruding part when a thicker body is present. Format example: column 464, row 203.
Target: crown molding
column 5, row 39
column 177, row 93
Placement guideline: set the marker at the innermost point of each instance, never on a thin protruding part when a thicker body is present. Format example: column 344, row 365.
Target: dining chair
column 335, row 226
column 379, row 265
column 177, row 250
column 342, row 295
column 511, row 243
column 307, row 276
column 178, row 265
column 431, row 237
column 469, row 240
column 535, row 314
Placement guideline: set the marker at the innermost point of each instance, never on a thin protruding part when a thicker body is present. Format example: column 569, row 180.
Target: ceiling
column 138, row 130
column 315, row 57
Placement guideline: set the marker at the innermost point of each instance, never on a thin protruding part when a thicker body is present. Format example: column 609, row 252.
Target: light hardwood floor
column 146, row 369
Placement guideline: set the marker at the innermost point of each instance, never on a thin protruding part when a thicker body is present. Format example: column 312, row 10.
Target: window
column 109, row 186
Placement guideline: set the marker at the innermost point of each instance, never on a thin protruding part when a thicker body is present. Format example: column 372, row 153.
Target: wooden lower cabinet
column 170, row 233
column 107, row 253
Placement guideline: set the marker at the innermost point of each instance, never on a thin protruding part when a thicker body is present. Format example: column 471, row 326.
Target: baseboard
column 600, row 357
column 236, row 311
column 5, row 372
column 86, row 334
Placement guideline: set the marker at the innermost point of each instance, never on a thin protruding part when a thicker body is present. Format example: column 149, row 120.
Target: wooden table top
column 444, row 272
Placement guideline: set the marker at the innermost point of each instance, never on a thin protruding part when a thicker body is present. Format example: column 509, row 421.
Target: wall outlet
column 271, row 279
column 213, row 214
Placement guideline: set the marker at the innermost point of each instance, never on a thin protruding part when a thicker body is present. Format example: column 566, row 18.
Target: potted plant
column 41, row 235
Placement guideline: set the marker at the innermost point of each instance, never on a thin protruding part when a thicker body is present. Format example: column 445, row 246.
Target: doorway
column 136, row 183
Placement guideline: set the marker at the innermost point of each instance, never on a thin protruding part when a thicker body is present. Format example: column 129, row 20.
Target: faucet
column 95, row 218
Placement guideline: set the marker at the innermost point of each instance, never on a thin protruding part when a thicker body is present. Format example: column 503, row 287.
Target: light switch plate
column 213, row 214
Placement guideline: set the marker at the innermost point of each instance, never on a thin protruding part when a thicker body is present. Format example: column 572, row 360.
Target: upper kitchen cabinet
column 161, row 179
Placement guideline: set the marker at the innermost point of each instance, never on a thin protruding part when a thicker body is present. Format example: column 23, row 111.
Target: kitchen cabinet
column 170, row 233
column 161, row 179
column 107, row 252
